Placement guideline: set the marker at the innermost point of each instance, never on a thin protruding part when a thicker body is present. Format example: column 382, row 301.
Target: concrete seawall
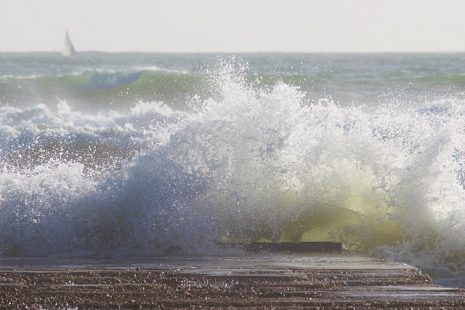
column 252, row 281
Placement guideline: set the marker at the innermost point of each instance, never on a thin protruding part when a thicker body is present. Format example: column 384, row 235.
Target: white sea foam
column 251, row 165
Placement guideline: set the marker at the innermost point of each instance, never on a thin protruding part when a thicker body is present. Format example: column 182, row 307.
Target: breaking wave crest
column 251, row 165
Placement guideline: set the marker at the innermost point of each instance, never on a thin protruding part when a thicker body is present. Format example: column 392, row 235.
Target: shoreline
column 257, row 281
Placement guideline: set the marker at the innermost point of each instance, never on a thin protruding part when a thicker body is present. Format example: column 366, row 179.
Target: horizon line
column 244, row 52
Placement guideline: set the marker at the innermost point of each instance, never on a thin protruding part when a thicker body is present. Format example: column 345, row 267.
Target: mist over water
column 237, row 152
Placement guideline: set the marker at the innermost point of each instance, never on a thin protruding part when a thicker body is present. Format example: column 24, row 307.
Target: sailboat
column 69, row 49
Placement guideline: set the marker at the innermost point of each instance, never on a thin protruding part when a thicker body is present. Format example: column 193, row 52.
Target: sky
column 234, row 25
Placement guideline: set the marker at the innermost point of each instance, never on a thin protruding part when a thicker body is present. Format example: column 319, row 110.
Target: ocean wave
column 248, row 164
column 99, row 89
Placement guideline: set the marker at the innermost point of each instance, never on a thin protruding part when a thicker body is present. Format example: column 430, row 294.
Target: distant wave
column 103, row 87
column 450, row 79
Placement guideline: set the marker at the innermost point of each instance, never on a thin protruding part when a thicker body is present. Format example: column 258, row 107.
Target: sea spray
column 246, row 164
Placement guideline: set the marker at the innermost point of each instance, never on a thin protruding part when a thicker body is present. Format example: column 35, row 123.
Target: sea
column 151, row 154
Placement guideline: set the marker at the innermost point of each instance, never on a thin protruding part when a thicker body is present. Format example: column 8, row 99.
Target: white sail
column 69, row 49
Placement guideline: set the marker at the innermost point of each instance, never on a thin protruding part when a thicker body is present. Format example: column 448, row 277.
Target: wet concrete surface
column 258, row 281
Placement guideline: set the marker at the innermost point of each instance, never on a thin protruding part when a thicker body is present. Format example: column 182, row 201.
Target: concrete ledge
column 279, row 281
column 287, row 247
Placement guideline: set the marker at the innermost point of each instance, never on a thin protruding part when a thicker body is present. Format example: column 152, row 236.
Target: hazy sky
column 234, row 25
